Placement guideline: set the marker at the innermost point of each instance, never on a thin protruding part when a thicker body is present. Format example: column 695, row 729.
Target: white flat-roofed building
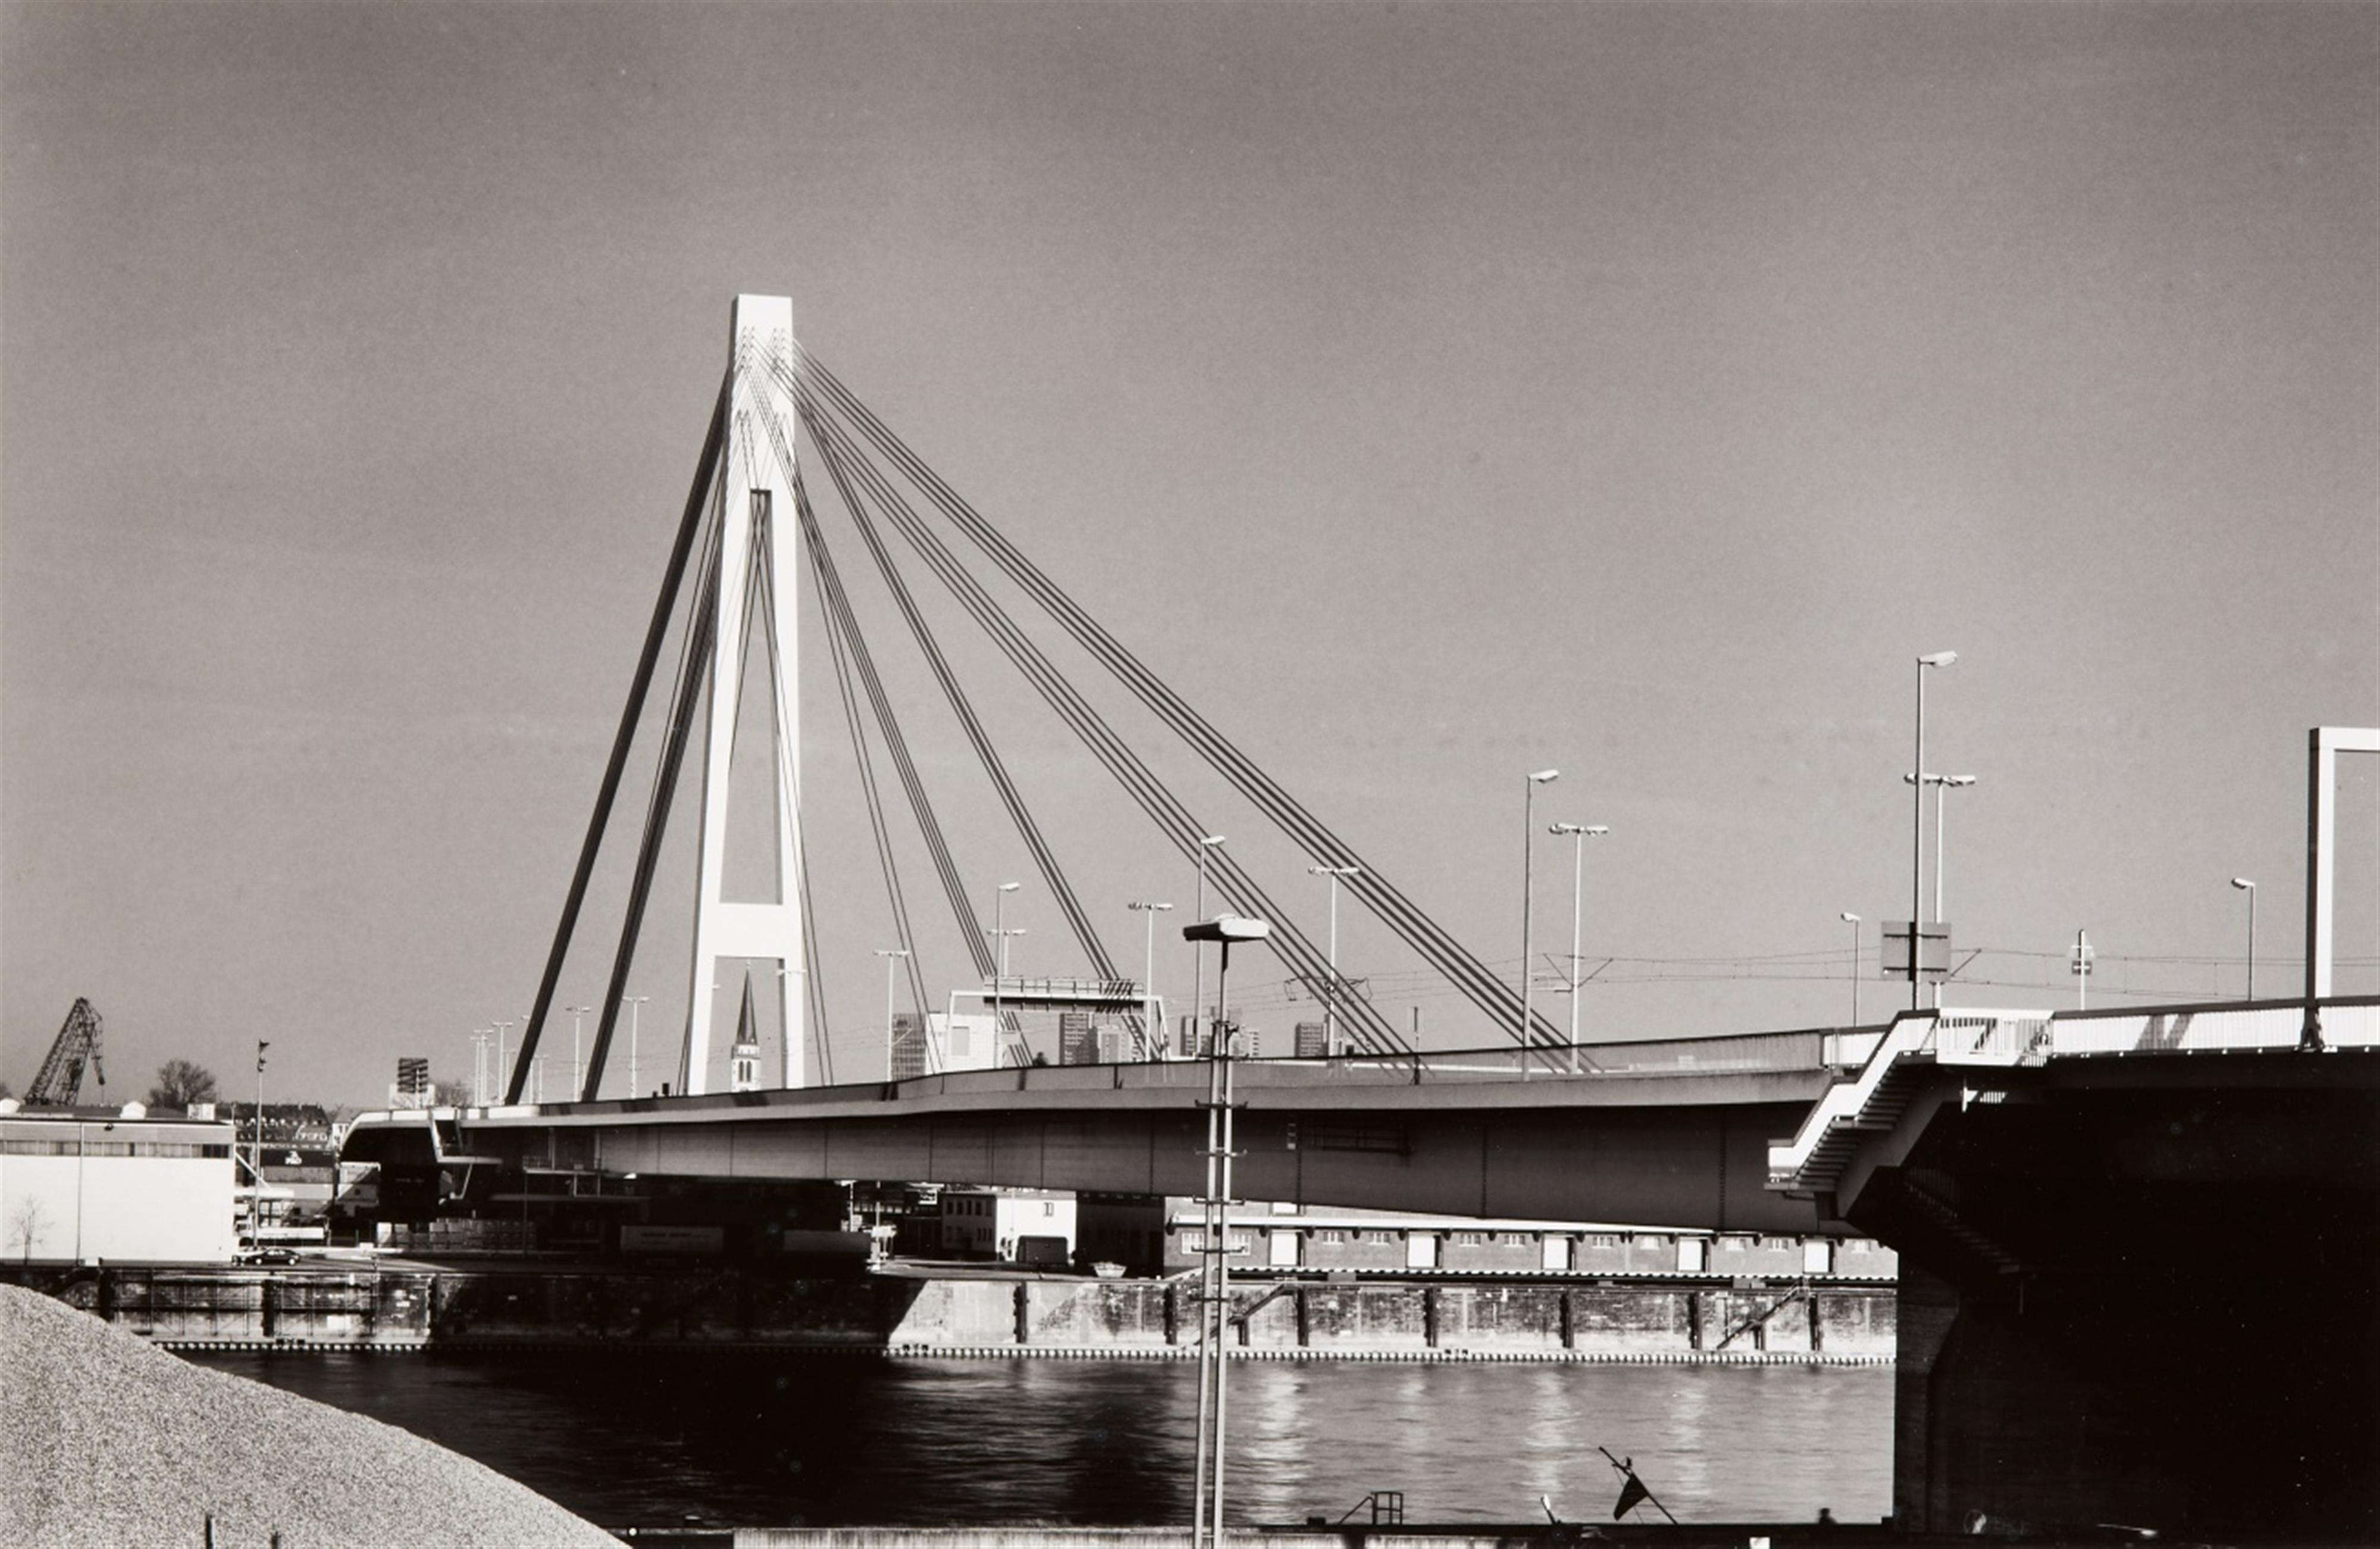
column 79, row 1185
column 1025, row 1224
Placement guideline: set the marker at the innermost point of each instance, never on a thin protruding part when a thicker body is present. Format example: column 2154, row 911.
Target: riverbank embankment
column 521, row 1304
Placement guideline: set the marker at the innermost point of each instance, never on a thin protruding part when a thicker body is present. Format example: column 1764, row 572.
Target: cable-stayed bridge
column 2140, row 1250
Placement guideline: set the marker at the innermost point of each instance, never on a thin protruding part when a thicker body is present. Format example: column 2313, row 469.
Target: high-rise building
column 908, row 1046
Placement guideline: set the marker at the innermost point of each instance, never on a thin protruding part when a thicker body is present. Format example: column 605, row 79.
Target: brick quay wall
column 523, row 1306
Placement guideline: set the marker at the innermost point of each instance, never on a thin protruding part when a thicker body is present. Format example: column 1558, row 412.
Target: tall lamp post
column 1198, row 964
column 2244, row 885
column 1943, row 785
column 1152, row 1036
column 1331, row 1002
column 1215, row 1298
column 256, row 1168
column 1917, row 836
column 503, row 1080
column 1529, row 855
column 1000, row 962
column 576, row 1013
column 1580, row 833
column 636, row 1007
column 1853, row 921
column 892, row 955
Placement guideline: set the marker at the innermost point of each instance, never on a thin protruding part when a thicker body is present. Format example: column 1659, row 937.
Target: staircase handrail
column 1912, row 1033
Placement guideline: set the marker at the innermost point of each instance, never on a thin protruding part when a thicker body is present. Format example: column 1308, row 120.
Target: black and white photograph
column 1158, row 775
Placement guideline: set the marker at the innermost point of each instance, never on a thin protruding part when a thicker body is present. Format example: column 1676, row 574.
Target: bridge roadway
column 1671, row 1133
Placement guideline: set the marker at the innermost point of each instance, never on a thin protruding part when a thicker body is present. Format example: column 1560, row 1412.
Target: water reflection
column 844, row 1439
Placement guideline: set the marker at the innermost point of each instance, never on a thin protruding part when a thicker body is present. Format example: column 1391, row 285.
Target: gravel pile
column 108, row 1443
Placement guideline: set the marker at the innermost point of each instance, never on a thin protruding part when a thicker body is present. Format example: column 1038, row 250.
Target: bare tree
column 181, row 1082
column 28, row 1228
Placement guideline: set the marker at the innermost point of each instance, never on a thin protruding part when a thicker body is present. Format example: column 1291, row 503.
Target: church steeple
column 744, row 1060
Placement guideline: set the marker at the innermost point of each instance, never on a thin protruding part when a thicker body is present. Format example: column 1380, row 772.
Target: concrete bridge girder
column 1660, row 1152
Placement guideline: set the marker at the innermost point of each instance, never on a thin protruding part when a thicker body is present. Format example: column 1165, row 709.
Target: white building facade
column 77, row 1186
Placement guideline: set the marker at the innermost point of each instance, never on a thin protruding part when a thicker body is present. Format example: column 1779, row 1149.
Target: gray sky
column 1431, row 393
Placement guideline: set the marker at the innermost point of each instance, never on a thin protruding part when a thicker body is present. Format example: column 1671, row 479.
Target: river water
column 836, row 1440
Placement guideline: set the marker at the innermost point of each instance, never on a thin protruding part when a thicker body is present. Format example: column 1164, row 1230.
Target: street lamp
column 891, row 956
column 999, row 964
column 256, row 1170
column 1943, row 785
column 1198, row 964
column 576, row 1013
column 636, row 1004
column 1853, row 921
column 1579, row 833
column 1917, row 833
column 1150, row 1033
column 1215, row 1305
column 785, row 1028
column 1330, row 1005
column 1528, row 855
column 504, row 1083
column 2244, row 885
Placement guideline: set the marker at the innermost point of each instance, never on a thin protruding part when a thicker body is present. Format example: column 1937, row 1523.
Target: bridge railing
column 1734, row 1053
column 1975, row 1037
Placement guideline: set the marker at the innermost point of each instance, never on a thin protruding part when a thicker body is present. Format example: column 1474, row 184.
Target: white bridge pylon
column 740, row 533
column 759, row 542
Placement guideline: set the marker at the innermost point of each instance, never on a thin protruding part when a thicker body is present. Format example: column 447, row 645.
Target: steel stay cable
column 702, row 621
column 961, row 909
column 839, row 652
column 1084, row 932
column 789, row 791
column 1387, row 902
column 639, row 684
column 1154, row 797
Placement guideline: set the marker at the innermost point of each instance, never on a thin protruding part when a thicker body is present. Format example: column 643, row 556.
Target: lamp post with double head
column 1330, row 1001
column 1528, row 858
column 2244, row 885
column 1152, row 1036
column 1943, row 785
column 1000, row 960
column 1917, row 836
column 1580, row 834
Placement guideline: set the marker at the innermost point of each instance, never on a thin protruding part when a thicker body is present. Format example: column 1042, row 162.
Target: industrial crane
column 60, row 1081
